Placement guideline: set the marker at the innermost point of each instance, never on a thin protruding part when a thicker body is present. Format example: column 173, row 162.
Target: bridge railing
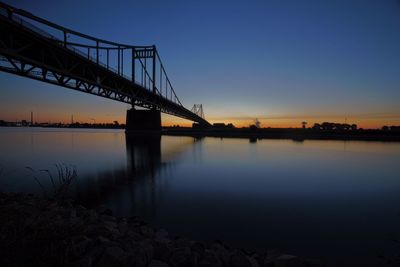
column 142, row 64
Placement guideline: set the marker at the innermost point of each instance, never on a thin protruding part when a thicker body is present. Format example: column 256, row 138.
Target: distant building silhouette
column 391, row 128
column 219, row 125
column 333, row 126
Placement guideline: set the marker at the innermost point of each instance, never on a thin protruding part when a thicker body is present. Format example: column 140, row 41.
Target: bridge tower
column 144, row 120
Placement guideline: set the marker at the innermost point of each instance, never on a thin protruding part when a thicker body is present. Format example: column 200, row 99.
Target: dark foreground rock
column 42, row 232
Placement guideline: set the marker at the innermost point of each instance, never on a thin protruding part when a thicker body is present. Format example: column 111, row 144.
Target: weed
column 59, row 186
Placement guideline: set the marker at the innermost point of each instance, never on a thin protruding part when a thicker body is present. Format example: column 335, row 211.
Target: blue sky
column 280, row 61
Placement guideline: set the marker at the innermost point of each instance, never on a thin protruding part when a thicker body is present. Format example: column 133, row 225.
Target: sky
column 282, row 62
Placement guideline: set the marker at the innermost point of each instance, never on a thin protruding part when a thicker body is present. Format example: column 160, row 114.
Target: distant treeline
column 391, row 128
column 333, row 126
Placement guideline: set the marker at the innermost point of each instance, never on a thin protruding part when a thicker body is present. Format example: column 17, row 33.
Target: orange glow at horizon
column 296, row 123
column 372, row 123
column 168, row 120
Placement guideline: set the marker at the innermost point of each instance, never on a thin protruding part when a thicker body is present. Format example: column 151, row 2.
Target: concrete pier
column 143, row 120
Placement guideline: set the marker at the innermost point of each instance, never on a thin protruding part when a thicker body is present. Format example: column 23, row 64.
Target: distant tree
column 253, row 127
column 333, row 126
column 328, row 126
column 317, row 126
column 303, row 124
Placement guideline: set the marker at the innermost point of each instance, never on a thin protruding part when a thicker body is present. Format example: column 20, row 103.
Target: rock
column 90, row 216
column 140, row 255
column 270, row 257
column 211, row 257
column 204, row 263
column 161, row 234
column 101, row 239
column 181, row 257
column 80, row 245
column 68, row 203
column 72, row 214
column 88, row 238
column 147, row 231
column 107, row 218
column 222, row 252
column 103, row 210
column 135, row 221
column 85, row 262
column 147, row 249
column 239, row 259
column 157, row 263
column 134, row 260
column 198, row 248
column 112, row 256
column 183, row 243
column 162, row 251
column 110, row 226
column 286, row 260
column 95, row 253
column 80, row 210
column 285, row 257
column 253, row 262
column 134, row 235
column 217, row 245
column 108, row 229
column 164, row 240
column 123, row 226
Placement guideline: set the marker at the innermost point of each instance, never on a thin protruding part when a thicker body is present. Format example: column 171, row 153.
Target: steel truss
column 28, row 51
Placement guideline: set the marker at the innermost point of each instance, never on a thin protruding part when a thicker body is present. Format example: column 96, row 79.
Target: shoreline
column 38, row 231
column 296, row 134
column 293, row 134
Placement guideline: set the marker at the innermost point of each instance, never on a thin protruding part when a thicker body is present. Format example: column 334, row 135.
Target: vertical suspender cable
column 118, row 61
column 108, row 56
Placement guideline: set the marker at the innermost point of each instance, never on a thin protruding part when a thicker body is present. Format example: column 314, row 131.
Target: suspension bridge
column 35, row 48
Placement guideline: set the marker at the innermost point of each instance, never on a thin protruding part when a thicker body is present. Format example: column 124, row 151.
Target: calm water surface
column 338, row 201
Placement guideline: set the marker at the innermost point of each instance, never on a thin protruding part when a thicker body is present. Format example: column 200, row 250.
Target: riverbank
column 253, row 134
column 36, row 231
column 288, row 133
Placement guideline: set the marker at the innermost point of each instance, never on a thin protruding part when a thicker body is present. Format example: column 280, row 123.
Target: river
column 337, row 201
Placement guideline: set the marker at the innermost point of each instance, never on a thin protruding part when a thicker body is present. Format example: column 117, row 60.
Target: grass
column 31, row 234
column 60, row 184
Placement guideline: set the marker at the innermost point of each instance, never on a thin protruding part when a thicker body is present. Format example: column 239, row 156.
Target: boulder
column 157, row 263
column 80, row 245
column 239, row 259
column 84, row 262
column 181, row 257
column 112, row 256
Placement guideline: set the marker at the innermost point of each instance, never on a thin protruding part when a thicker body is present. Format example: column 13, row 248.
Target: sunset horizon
column 212, row 133
column 307, row 64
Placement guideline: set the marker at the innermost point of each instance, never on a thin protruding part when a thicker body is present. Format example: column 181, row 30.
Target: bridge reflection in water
column 136, row 187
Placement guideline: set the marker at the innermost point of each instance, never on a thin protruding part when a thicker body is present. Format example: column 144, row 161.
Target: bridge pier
column 143, row 120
